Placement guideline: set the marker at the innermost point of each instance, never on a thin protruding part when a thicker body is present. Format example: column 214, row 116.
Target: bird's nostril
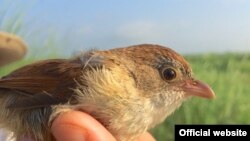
column 194, row 83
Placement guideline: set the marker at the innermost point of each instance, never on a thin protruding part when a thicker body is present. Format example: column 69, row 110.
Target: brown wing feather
column 43, row 83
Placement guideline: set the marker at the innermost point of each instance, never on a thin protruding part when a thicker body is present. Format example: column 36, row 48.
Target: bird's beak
column 198, row 88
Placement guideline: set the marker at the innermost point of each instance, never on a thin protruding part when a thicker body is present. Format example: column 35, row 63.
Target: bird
column 129, row 90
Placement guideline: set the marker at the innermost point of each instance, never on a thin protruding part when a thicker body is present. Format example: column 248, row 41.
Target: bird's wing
column 41, row 84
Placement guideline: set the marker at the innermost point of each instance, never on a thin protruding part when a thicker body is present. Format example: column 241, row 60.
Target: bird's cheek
column 198, row 88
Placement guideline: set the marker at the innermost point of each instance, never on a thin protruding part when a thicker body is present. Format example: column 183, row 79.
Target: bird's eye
column 169, row 74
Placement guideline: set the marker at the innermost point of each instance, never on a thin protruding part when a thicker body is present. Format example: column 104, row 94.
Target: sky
column 187, row 26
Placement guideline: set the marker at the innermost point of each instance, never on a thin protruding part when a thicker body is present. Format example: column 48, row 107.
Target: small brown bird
column 129, row 90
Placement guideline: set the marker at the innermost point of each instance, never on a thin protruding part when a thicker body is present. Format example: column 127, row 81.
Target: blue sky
column 188, row 26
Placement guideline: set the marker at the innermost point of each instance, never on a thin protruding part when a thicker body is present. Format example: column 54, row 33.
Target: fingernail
column 69, row 133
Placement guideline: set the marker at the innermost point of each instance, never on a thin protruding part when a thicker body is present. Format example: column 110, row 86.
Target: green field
column 229, row 76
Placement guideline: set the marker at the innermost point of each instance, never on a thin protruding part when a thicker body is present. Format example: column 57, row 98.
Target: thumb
column 78, row 126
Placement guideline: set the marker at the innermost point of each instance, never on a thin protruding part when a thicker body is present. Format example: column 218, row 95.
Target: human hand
column 78, row 126
column 12, row 48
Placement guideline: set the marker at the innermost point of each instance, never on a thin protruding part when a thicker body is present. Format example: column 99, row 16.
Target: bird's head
column 158, row 70
column 162, row 75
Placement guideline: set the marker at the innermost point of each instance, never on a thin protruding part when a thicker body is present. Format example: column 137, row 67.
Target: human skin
column 79, row 126
column 12, row 48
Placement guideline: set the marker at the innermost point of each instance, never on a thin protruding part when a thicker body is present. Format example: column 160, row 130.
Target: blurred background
column 213, row 35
